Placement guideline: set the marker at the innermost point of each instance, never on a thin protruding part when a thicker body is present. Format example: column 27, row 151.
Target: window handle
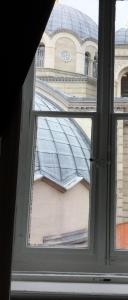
column 100, row 162
column 92, row 159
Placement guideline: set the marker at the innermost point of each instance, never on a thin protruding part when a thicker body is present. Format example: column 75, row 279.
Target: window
column 95, row 62
column 87, row 63
column 71, row 150
column 40, row 56
column 124, row 85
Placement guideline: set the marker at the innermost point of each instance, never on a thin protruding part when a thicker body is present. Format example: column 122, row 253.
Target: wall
column 65, row 54
column 54, row 212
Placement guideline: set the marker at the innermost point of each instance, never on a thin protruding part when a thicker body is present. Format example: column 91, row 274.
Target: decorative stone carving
column 66, row 56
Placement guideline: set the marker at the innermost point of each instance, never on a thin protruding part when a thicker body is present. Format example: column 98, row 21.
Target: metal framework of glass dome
column 62, row 149
column 121, row 36
column 64, row 17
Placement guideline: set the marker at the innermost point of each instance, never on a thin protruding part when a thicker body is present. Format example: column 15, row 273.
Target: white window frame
column 100, row 259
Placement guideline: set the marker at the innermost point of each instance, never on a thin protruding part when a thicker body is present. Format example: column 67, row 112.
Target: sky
column 90, row 7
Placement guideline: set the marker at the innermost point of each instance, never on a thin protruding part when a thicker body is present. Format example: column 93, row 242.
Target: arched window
column 124, row 85
column 95, row 65
column 87, row 62
column 40, row 56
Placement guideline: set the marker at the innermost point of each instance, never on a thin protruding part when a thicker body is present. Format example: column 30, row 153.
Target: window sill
column 64, row 288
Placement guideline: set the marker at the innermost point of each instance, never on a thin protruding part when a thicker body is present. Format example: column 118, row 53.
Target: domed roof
column 121, row 36
column 64, row 17
column 62, row 148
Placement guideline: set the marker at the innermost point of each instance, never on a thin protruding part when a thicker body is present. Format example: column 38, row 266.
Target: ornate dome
column 121, row 36
column 64, row 17
column 62, row 148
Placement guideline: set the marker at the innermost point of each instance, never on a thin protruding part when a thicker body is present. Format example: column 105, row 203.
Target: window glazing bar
column 105, row 98
column 65, row 114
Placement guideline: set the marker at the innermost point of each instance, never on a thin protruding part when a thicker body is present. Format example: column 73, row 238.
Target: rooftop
column 66, row 18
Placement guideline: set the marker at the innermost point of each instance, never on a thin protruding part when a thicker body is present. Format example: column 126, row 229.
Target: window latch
column 100, row 162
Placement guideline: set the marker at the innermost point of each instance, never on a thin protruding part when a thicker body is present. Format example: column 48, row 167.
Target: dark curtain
column 22, row 24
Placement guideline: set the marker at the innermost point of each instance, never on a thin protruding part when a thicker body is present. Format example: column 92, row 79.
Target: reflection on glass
column 59, row 209
column 122, row 185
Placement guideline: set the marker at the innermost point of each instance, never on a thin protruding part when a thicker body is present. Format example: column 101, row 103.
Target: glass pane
column 60, row 201
column 122, row 185
column 121, row 57
column 66, row 62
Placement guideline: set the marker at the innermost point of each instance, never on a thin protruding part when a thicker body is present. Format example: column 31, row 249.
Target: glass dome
column 62, row 149
column 64, row 17
column 121, row 36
